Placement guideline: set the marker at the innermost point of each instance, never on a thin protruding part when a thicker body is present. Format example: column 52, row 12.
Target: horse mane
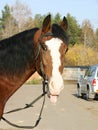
column 17, row 52
column 58, row 31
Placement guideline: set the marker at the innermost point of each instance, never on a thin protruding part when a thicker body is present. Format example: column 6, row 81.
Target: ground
column 69, row 113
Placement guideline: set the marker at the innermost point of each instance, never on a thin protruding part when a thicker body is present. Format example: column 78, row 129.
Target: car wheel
column 96, row 96
column 87, row 95
column 78, row 91
column 82, row 95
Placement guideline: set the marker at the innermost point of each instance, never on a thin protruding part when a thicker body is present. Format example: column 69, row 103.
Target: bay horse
column 42, row 50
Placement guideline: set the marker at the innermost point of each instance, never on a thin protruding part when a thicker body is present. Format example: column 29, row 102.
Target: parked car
column 87, row 85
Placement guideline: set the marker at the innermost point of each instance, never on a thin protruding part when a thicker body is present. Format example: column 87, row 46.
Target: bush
column 80, row 55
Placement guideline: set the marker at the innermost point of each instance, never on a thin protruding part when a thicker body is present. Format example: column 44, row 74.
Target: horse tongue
column 53, row 98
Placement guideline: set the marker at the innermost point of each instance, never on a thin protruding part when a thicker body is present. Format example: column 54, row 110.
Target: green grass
column 35, row 81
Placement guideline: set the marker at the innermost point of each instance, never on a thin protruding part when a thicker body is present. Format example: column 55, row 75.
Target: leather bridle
column 38, row 54
column 45, row 88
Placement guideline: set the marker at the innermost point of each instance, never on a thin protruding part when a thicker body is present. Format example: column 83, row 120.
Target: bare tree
column 88, row 34
column 21, row 13
column 29, row 24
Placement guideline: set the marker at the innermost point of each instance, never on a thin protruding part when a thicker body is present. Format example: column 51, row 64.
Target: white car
column 88, row 84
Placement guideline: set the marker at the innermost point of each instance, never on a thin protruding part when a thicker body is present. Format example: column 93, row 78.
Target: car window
column 87, row 72
column 90, row 72
column 93, row 71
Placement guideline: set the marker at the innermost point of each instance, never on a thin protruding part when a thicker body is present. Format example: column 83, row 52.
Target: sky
column 80, row 9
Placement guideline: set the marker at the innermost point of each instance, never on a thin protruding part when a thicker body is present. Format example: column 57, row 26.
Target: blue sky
column 80, row 9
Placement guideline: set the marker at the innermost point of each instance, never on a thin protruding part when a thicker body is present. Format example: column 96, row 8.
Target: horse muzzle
column 52, row 93
column 53, row 98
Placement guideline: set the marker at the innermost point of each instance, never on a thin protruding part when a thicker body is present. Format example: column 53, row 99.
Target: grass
column 35, row 81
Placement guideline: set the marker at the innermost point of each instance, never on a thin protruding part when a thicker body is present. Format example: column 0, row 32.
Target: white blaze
column 56, row 81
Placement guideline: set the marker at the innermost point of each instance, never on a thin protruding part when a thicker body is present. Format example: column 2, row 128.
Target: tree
column 10, row 28
column 74, row 30
column 88, row 34
column 21, row 14
column 57, row 18
column 79, row 55
column 8, row 25
column 6, row 13
column 96, row 38
column 39, row 19
column 29, row 24
column 97, row 31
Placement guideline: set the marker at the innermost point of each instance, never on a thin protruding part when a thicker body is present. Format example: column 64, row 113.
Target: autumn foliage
column 83, row 39
column 80, row 55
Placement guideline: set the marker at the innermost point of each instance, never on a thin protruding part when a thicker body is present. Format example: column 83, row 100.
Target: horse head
column 50, row 48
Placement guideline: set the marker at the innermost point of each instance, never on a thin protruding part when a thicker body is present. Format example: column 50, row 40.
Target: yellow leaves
column 80, row 55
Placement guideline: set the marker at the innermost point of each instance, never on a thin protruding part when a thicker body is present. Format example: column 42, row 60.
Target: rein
column 45, row 84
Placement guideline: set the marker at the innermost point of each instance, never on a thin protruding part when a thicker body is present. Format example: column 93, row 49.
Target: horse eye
column 44, row 47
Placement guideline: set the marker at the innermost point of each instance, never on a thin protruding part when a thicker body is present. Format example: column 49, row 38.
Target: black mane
column 60, row 33
column 17, row 52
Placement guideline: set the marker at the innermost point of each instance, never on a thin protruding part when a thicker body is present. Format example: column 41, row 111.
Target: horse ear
column 64, row 23
column 46, row 24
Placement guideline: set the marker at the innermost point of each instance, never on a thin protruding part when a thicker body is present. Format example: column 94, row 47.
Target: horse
column 38, row 49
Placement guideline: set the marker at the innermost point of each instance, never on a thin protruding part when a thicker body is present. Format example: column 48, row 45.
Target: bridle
column 38, row 55
column 45, row 89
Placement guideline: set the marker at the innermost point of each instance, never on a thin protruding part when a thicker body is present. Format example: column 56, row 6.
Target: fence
column 73, row 72
column 69, row 73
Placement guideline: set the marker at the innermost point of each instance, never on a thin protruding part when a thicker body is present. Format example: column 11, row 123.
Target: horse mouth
column 53, row 98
